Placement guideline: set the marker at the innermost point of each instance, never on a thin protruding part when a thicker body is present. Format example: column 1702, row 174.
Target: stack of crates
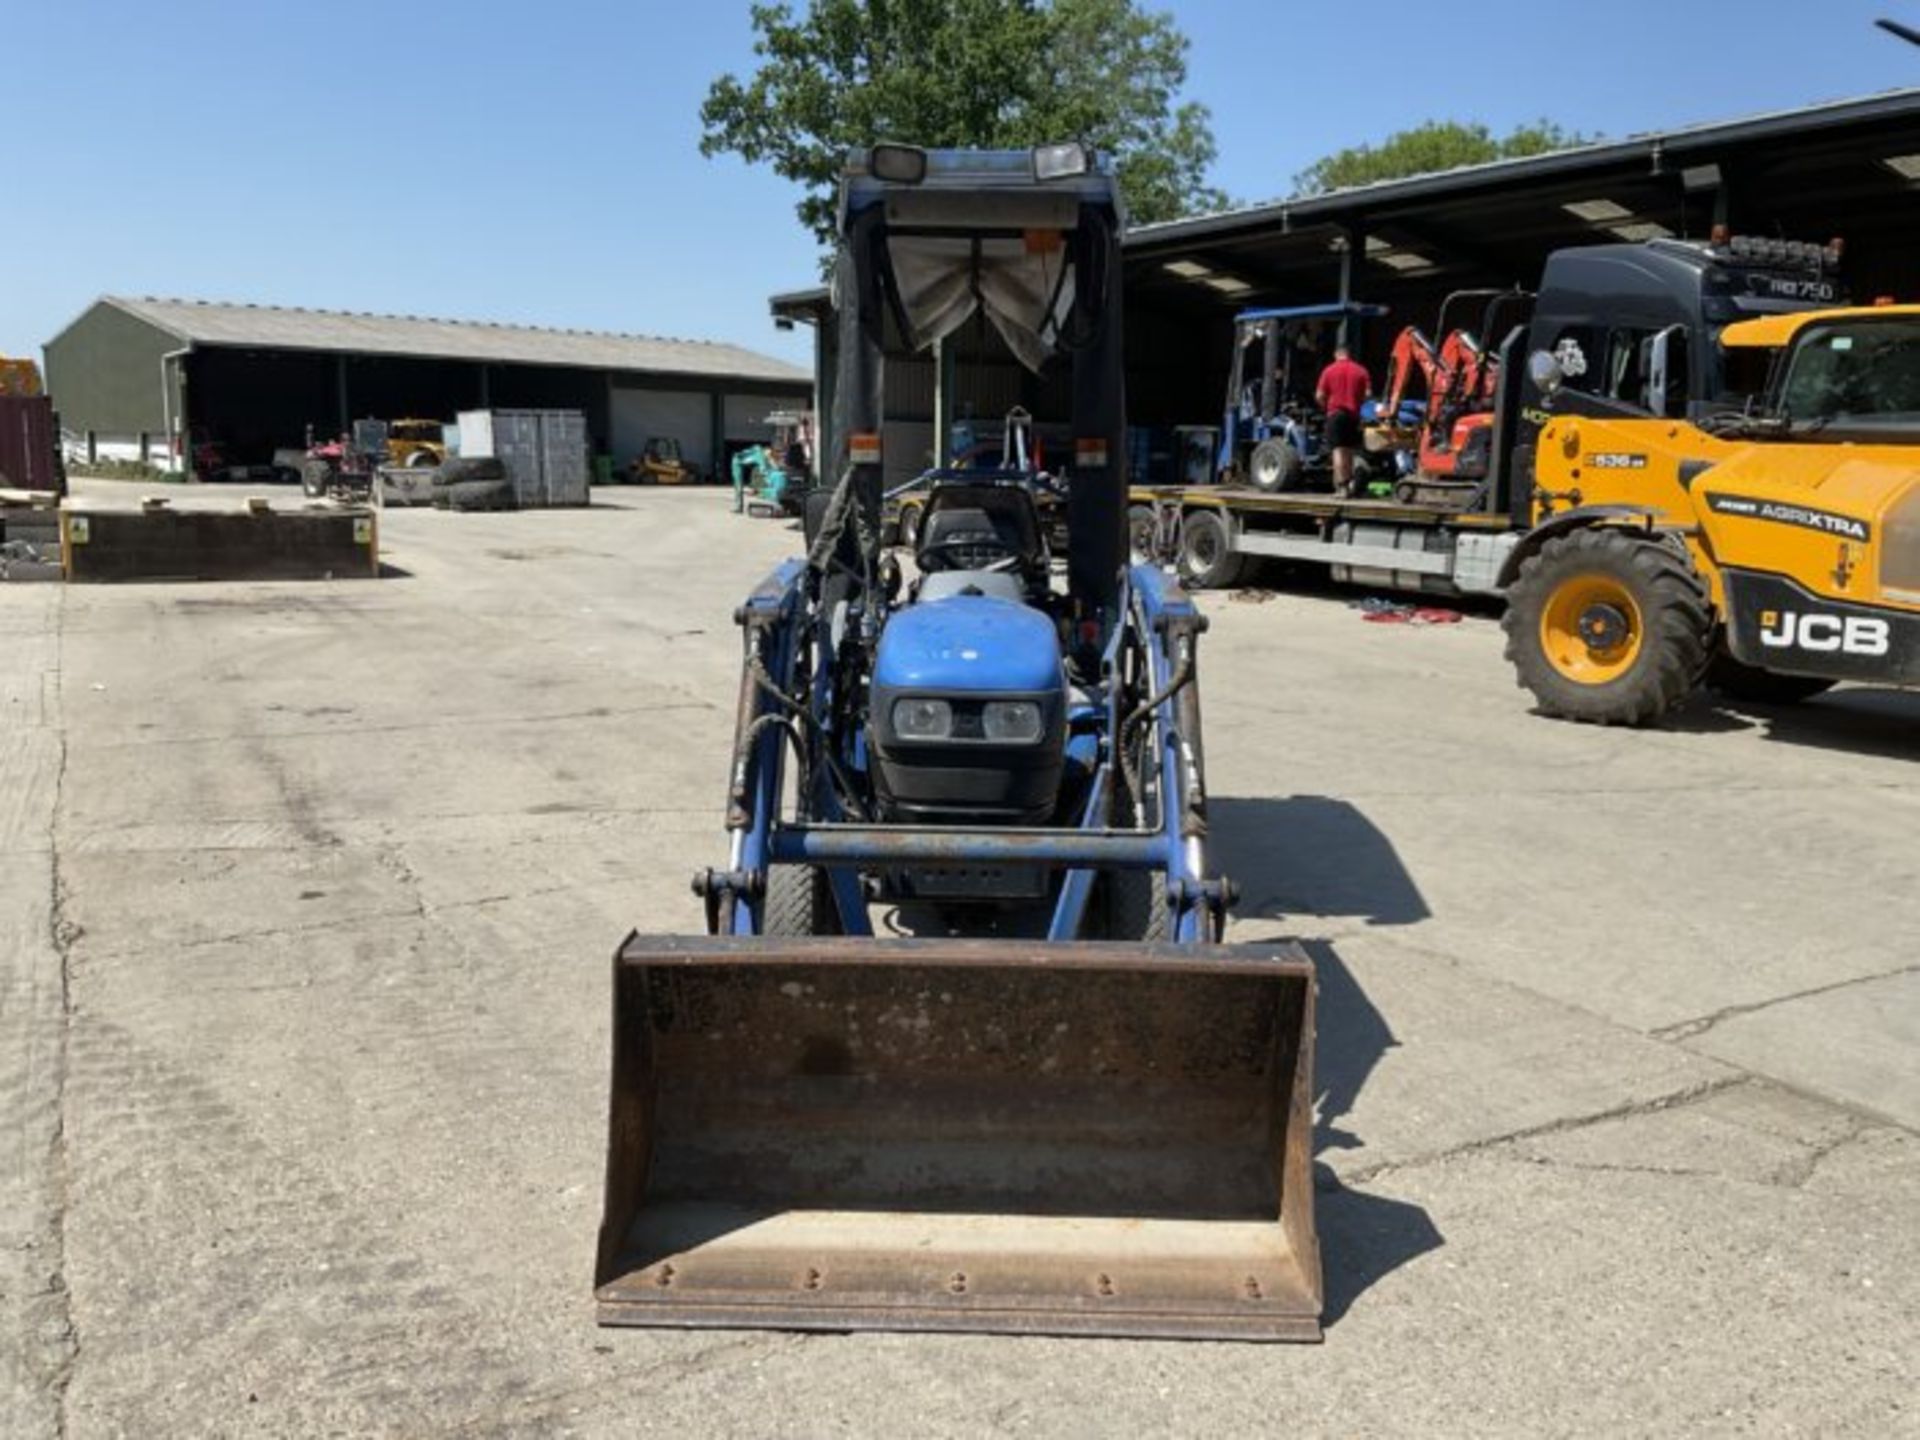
column 545, row 452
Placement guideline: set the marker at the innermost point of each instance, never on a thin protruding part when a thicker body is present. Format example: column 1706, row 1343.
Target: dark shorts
column 1343, row 430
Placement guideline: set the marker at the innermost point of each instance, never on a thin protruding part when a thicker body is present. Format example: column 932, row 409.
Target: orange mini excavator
column 1461, row 375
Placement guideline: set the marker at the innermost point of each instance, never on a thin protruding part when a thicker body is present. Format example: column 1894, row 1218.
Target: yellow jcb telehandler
column 1771, row 551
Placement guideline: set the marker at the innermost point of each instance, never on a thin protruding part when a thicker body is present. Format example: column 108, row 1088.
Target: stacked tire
column 481, row 483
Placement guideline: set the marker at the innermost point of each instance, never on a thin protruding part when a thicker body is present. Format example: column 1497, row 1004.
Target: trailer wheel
column 1608, row 627
column 1143, row 534
column 1207, row 557
column 799, row 901
column 1274, row 466
column 1739, row 681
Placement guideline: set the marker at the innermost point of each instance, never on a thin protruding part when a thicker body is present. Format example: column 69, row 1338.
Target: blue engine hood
column 969, row 644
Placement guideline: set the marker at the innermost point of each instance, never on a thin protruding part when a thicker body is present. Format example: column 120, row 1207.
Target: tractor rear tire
column 1274, row 466
column 1608, row 626
column 1738, row 681
column 799, row 901
column 1207, row 557
column 315, row 478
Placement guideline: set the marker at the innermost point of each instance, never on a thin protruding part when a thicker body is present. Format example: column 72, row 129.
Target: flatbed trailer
column 1649, row 313
column 1213, row 531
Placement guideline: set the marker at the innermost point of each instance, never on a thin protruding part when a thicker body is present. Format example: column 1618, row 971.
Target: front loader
column 962, row 1049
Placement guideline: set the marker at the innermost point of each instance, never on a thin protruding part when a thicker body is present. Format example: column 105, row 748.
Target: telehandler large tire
column 1608, row 626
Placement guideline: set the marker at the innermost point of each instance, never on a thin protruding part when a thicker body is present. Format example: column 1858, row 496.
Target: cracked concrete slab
column 1855, row 1044
column 1420, row 1056
column 1751, row 1131
column 335, row 1076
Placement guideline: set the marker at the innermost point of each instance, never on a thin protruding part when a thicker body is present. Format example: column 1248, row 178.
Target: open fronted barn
column 141, row 378
column 1849, row 170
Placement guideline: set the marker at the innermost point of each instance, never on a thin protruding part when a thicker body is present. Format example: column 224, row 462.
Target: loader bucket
column 976, row 1135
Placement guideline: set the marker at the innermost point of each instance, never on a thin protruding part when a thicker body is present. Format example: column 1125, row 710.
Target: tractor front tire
column 1608, row 626
column 1208, row 560
column 1274, row 466
column 315, row 478
column 799, row 901
column 1739, row 681
column 1131, row 905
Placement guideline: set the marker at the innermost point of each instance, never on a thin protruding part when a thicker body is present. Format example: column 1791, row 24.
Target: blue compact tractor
column 962, row 1049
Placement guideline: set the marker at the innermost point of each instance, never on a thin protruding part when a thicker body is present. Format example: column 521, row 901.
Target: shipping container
column 544, row 452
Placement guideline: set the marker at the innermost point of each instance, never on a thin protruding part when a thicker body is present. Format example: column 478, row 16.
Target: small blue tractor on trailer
column 1059, row 1104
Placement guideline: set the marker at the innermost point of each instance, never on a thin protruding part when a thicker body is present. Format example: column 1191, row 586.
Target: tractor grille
column 1900, row 550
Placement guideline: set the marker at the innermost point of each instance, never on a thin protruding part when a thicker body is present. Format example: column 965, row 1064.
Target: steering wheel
column 964, row 547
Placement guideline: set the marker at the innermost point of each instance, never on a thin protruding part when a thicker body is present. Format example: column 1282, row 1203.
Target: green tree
column 1436, row 145
column 991, row 73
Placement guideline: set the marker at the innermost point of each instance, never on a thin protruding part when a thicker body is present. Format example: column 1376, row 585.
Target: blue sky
column 541, row 164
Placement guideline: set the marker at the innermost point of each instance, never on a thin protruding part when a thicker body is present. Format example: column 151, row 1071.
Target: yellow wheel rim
column 1591, row 630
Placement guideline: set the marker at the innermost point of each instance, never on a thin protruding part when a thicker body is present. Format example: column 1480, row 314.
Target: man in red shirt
column 1343, row 389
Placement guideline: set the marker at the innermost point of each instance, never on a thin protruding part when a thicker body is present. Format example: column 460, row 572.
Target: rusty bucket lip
column 1267, row 959
column 1289, row 1326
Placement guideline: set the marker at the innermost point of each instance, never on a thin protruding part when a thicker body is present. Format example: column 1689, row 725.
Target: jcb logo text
column 1824, row 634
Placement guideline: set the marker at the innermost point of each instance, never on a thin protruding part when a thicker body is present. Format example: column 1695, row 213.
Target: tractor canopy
column 949, row 232
column 928, row 239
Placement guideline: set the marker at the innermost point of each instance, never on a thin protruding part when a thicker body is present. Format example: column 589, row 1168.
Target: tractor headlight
column 1060, row 162
column 921, row 719
column 1018, row 722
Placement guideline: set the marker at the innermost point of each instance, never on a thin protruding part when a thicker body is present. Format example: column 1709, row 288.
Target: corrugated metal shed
column 268, row 327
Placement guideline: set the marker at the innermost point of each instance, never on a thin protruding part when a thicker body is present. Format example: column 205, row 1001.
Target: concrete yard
column 310, row 891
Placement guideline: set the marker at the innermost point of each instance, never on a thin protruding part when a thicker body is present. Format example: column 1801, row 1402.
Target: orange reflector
column 864, row 449
column 1042, row 242
column 1091, row 454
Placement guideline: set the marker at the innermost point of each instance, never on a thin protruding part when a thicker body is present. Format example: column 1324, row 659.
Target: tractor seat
column 973, row 530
